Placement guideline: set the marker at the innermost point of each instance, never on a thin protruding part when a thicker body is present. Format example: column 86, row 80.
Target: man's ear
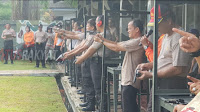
column 137, row 29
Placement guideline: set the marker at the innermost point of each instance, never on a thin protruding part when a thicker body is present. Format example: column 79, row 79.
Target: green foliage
column 45, row 4
column 74, row 3
column 5, row 10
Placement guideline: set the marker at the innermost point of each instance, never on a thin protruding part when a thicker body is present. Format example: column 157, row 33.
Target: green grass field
column 21, row 65
column 30, row 94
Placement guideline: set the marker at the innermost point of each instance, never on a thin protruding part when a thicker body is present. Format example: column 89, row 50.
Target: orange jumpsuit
column 56, row 39
column 29, row 38
column 149, row 51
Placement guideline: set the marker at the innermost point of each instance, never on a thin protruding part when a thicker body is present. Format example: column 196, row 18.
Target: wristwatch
column 145, row 47
column 195, row 54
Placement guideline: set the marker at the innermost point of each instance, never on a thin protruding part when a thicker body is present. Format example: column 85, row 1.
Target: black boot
column 90, row 106
column 98, row 100
column 12, row 62
column 81, row 98
column 80, row 92
column 84, row 104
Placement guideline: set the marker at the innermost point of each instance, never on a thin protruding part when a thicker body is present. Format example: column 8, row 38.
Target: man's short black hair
column 92, row 22
column 49, row 28
column 138, row 23
column 75, row 19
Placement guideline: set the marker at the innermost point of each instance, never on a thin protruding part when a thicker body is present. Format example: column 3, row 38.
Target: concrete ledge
column 61, row 68
column 72, row 95
column 37, row 73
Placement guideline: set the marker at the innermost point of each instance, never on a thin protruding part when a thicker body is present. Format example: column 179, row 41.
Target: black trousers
column 31, row 48
column 78, row 72
column 87, row 83
column 96, row 72
column 40, row 54
column 8, row 50
column 129, row 95
column 58, row 52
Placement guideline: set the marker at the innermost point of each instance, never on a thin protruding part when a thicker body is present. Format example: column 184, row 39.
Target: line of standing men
column 173, row 63
column 41, row 43
column 91, row 59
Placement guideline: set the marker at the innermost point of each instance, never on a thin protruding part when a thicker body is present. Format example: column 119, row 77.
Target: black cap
column 59, row 26
column 81, row 25
column 40, row 25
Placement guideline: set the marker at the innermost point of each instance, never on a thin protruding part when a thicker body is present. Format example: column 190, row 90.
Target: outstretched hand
column 178, row 108
column 189, row 42
column 79, row 60
column 97, row 39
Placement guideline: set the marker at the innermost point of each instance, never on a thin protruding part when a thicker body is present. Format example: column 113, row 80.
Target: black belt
column 39, row 43
column 98, row 59
column 8, row 40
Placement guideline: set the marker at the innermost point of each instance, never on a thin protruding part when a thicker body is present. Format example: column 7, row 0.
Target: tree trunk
column 25, row 10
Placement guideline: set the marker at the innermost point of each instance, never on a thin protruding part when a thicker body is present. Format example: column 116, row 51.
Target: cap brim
column 151, row 22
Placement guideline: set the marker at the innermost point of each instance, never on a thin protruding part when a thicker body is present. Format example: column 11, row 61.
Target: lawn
column 30, row 94
column 21, row 65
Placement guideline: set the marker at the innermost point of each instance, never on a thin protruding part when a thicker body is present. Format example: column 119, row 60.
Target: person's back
column 50, row 40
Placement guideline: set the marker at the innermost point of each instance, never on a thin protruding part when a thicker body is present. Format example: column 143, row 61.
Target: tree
column 5, row 12
column 25, row 10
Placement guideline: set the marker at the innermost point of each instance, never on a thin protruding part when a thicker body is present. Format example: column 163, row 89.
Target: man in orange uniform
column 29, row 42
column 148, row 47
column 57, row 42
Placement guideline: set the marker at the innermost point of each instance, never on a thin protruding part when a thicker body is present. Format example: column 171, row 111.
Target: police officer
column 8, row 34
column 94, row 54
column 40, row 40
